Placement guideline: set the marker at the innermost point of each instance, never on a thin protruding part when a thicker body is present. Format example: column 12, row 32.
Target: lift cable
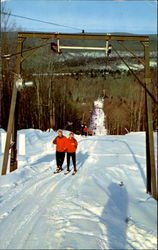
column 41, row 21
column 26, row 50
column 140, row 82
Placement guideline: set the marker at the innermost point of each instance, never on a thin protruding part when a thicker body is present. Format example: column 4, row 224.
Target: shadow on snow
column 114, row 216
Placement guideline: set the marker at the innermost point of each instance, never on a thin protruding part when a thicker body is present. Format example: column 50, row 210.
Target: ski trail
column 74, row 212
column 34, row 203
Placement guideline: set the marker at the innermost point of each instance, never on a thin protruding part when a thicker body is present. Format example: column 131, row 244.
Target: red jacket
column 85, row 129
column 71, row 145
column 60, row 143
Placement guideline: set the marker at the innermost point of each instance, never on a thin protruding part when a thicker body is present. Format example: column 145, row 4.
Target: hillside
column 65, row 87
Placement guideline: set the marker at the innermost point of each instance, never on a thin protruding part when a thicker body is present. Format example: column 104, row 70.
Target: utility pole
column 11, row 129
column 13, row 158
column 151, row 173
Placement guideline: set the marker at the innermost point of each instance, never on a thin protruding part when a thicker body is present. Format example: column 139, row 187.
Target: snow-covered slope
column 91, row 210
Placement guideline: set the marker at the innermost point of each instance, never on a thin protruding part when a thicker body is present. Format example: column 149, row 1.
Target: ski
column 74, row 172
column 58, row 171
column 67, row 172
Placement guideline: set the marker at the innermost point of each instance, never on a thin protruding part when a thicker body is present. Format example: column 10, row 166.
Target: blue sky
column 139, row 17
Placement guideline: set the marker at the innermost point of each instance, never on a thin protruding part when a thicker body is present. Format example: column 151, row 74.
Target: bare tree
column 6, row 23
column 7, row 46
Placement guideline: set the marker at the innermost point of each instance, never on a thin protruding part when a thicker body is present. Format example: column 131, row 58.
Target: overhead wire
column 140, row 82
column 26, row 50
column 41, row 21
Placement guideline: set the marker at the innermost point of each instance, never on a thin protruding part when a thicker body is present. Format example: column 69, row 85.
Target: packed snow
column 104, row 206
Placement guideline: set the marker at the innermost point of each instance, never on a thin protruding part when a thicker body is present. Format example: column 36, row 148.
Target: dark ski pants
column 73, row 156
column 60, row 156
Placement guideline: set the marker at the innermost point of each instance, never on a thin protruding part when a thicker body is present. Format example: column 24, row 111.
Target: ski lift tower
column 55, row 39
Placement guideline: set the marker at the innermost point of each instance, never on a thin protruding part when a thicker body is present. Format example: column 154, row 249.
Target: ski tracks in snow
column 60, row 211
column 25, row 205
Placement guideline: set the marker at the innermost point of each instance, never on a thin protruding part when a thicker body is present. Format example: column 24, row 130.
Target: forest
column 65, row 87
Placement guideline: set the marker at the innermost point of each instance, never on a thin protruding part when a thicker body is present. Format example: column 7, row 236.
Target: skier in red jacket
column 71, row 146
column 60, row 142
column 85, row 130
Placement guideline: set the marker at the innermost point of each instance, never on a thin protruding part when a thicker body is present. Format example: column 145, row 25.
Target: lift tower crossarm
column 83, row 36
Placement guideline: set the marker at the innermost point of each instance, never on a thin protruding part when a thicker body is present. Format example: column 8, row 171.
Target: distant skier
column 90, row 132
column 71, row 146
column 60, row 142
column 85, row 131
